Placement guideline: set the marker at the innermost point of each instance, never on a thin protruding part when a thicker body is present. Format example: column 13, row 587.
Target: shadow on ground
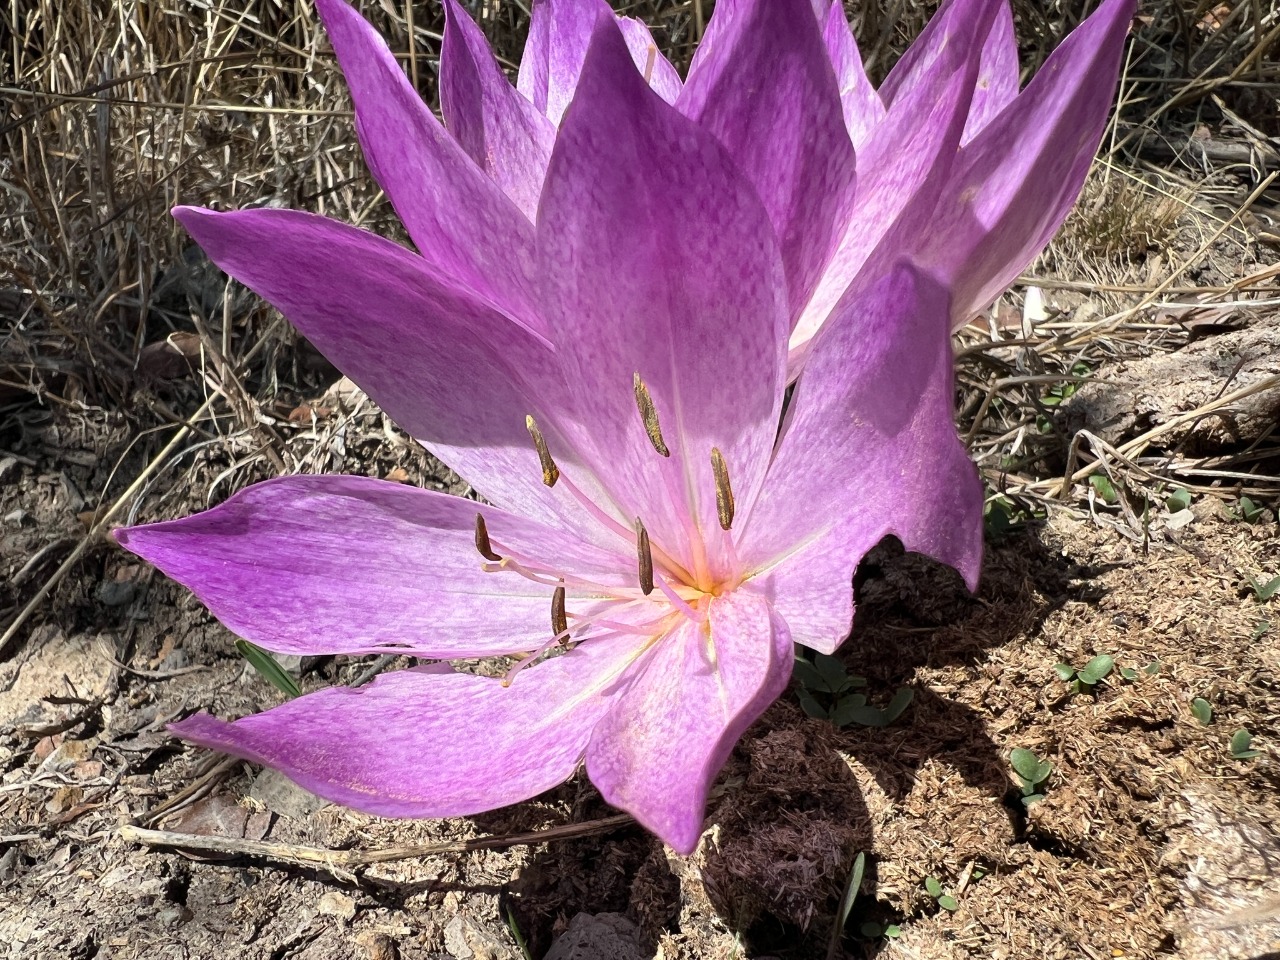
column 801, row 798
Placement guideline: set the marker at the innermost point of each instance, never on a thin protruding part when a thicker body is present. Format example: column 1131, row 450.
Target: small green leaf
column 1202, row 711
column 271, row 671
column 1262, row 627
column 807, row 675
column 1249, row 511
column 948, row 903
column 517, row 935
column 901, row 700
column 932, row 885
column 1129, row 673
column 1104, row 488
column 832, row 671
column 1265, row 591
column 1152, row 668
column 1028, row 800
column 1028, row 766
column 809, row 705
column 1096, row 669
column 847, row 708
column 1240, row 746
column 871, row 930
column 1179, row 499
column 851, row 889
column 893, row 931
column 1065, row 671
column 866, row 716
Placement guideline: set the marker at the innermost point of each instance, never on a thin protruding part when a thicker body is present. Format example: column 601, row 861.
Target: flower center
column 664, row 592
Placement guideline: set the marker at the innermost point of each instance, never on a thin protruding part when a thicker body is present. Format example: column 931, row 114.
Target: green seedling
column 1104, row 488
column 945, row 900
column 826, row 691
column 874, row 931
column 1063, row 391
column 270, row 670
column 1090, row 675
column 851, row 888
column 1003, row 517
column 1032, row 772
column 1263, row 592
column 1259, row 629
column 1178, row 499
column 516, row 935
column 1248, row 511
column 1202, row 710
column 1242, row 746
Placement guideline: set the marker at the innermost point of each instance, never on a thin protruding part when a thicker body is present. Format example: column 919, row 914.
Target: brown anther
column 482, row 540
column 649, row 414
column 724, row 492
column 651, row 58
column 645, row 556
column 559, row 621
column 550, row 472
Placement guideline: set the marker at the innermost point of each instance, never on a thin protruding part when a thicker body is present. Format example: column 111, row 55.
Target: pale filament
column 585, row 627
column 542, row 574
column 676, row 601
column 731, row 552
column 623, row 531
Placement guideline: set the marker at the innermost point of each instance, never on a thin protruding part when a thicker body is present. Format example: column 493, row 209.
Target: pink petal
column 319, row 565
column 767, row 92
column 458, row 218
column 861, row 104
column 1015, row 183
column 501, row 131
column 417, row 744
column 914, row 145
column 454, row 373
column 658, row 259
column 998, row 75
column 869, row 448
column 657, row 70
column 943, row 29
column 559, row 33
column 657, row 751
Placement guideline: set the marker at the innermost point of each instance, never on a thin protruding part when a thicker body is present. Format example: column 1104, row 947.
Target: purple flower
column 595, row 333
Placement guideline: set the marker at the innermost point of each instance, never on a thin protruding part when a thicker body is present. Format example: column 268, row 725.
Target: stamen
column 650, row 59
column 649, row 414
column 550, row 472
column 724, row 492
column 559, row 622
column 482, row 540
column 645, row 555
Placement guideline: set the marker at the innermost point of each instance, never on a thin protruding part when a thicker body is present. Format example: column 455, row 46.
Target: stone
column 601, row 936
